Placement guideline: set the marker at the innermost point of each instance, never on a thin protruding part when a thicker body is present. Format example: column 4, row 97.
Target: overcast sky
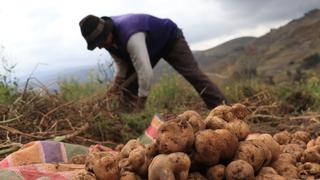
column 46, row 32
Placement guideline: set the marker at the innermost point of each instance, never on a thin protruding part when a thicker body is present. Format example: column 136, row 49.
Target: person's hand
column 116, row 85
column 140, row 104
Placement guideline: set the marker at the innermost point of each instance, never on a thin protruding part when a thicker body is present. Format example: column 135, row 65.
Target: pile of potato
column 218, row 147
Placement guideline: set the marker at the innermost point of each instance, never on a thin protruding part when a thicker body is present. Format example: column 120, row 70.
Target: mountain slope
column 278, row 54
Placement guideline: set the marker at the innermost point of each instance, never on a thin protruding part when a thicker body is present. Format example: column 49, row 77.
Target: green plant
column 8, row 82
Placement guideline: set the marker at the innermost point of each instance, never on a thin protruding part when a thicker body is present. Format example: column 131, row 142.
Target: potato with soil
column 211, row 146
column 255, row 152
column 240, row 111
column 273, row 146
column 175, row 136
column 313, row 142
column 285, row 166
column 223, row 111
column 127, row 148
column 216, row 172
column 240, row 128
column 268, row 173
column 311, row 154
column 239, row 170
column 194, row 119
column 293, row 149
column 169, row 167
column 139, row 160
column 309, row 169
column 196, row 176
column 215, row 122
column 103, row 165
column 283, row 137
column 127, row 175
column 302, row 136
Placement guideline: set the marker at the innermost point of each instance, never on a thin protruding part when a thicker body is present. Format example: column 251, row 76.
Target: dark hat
column 95, row 30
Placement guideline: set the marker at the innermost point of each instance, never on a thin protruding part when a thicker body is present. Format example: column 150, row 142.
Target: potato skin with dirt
column 239, row 170
column 175, row 136
column 273, row 146
column 194, row 119
column 285, row 166
column 216, row 172
column 255, row 152
column 311, row 154
column 104, row 165
column 211, row 146
column 283, row 137
column 240, row 111
column 224, row 112
column 129, row 146
column 169, row 167
column 240, row 128
column 215, row 123
column 196, row 176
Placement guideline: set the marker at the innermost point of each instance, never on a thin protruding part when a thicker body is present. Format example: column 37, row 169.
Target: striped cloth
column 151, row 132
column 42, row 159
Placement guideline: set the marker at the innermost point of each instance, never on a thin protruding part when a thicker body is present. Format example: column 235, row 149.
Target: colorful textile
column 46, row 160
column 44, row 170
column 151, row 132
column 43, row 152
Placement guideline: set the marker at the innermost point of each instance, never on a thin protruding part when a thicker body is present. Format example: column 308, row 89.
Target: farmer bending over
column 137, row 42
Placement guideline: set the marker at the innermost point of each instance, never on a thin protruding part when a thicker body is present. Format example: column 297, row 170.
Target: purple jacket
column 161, row 34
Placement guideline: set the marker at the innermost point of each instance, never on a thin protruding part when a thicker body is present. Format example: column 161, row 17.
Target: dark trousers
column 182, row 60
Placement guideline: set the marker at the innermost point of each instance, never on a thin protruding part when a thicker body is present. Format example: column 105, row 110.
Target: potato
column 169, row 167
column 103, row 165
column 267, row 170
column 194, row 119
column 283, row 137
column 311, row 155
column 127, row 175
column 215, row 123
column 119, row 147
column 240, row 128
column 317, row 141
column 313, row 142
column 196, row 176
column 239, row 170
column 131, row 145
column 175, row 136
column 211, row 146
column 79, row 159
column 285, row 167
column 301, row 135
column 293, row 149
column 139, row 160
column 309, row 169
column 273, row 146
column 84, row 176
column 224, row 112
column 255, row 152
column 216, row 172
column 270, row 177
column 289, row 158
column 268, row 173
column 240, row 111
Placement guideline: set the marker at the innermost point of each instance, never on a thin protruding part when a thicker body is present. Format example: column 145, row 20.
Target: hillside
column 215, row 54
column 279, row 55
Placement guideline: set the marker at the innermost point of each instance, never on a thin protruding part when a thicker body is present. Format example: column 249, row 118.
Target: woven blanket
column 47, row 159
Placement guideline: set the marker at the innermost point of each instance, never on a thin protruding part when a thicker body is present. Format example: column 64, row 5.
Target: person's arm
column 120, row 74
column 138, row 52
column 121, row 67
